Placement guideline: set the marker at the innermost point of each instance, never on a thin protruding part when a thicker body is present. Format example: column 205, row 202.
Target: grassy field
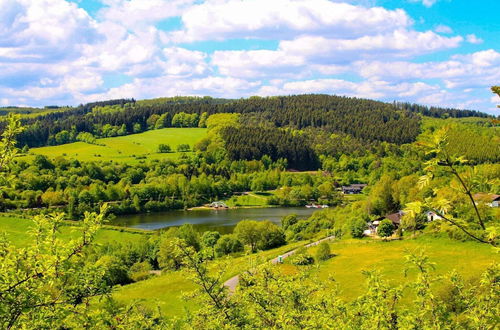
column 167, row 291
column 469, row 259
column 17, row 232
column 352, row 257
column 260, row 199
column 130, row 148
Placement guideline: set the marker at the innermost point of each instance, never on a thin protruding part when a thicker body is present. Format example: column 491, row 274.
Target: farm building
column 492, row 200
column 356, row 188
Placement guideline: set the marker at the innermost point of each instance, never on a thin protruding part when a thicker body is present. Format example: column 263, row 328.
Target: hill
column 129, row 149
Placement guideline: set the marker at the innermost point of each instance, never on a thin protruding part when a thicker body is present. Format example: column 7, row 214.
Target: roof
column 487, row 197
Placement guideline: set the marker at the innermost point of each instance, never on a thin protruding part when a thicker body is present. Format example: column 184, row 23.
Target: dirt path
column 232, row 283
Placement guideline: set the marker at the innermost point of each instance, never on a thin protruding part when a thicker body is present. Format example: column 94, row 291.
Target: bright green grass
column 167, row 291
column 250, row 199
column 469, row 259
column 126, row 148
column 352, row 257
column 17, row 232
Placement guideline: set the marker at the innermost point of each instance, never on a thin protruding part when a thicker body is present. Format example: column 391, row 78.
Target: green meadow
column 351, row 257
column 169, row 291
column 130, row 148
column 17, row 231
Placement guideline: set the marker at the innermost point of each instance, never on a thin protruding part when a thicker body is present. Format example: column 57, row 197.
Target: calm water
column 221, row 220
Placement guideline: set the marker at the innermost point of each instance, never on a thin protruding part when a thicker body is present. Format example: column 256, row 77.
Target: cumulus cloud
column 443, row 29
column 473, row 39
column 426, row 3
column 43, row 31
column 285, row 19
column 476, row 70
column 137, row 14
column 53, row 52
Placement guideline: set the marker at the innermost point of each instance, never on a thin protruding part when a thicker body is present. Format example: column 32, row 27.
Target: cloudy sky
column 435, row 52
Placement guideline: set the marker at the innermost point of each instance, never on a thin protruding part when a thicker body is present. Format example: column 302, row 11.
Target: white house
column 431, row 216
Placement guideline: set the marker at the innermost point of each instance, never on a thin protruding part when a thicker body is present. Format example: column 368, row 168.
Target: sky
column 433, row 52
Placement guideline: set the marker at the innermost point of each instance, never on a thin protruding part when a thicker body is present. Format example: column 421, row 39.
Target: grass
column 469, row 259
column 130, row 148
column 351, row 258
column 17, row 232
column 250, row 199
column 167, row 290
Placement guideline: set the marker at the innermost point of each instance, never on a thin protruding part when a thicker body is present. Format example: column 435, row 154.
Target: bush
column 140, row 271
column 116, row 271
column 302, row 259
column 228, row 244
column 385, row 228
column 183, row 147
column 323, row 253
column 357, row 228
column 164, row 148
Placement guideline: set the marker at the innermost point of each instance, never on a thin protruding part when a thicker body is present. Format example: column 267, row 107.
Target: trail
column 232, row 283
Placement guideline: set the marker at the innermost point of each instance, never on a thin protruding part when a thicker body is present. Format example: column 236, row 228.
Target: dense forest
column 362, row 119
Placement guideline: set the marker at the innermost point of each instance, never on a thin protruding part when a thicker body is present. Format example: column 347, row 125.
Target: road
column 232, row 283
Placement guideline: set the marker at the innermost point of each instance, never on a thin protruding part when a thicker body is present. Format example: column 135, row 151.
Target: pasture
column 129, row 148
column 17, row 232
column 351, row 257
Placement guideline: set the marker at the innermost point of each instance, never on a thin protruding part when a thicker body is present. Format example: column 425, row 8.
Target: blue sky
column 434, row 52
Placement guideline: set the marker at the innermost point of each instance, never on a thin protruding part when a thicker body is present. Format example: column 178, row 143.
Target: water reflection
column 220, row 220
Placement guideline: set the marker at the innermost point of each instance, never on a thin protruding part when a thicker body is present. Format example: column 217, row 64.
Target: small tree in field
column 357, row 228
column 385, row 228
column 183, row 147
column 164, row 148
column 323, row 253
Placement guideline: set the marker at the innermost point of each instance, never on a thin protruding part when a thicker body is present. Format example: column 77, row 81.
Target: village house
column 431, row 216
column 356, row 188
column 492, row 200
column 394, row 217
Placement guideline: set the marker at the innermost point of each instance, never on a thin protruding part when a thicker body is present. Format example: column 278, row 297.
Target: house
column 394, row 217
column 492, row 200
column 431, row 216
column 218, row 205
column 356, row 188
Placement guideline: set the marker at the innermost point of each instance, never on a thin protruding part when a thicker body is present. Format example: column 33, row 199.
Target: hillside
column 125, row 149
column 367, row 120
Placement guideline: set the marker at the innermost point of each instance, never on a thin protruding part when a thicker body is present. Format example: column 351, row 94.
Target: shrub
column 183, row 147
column 302, row 259
column 385, row 228
column 228, row 244
column 164, row 148
column 323, row 253
column 140, row 271
column 357, row 228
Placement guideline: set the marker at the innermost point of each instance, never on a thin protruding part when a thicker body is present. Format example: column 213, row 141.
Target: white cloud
column 443, row 29
column 138, row 14
column 283, row 19
column 426, row 3
column 43, row 30
column 173, row 86
column 473, row 39
column 399, row 42
column 309, row 54
column 256, row 63
column 476, row 70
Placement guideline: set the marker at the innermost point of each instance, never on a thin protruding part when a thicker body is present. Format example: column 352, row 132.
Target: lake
column 220, row 220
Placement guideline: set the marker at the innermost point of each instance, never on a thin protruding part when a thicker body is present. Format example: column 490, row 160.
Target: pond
column 220, row 220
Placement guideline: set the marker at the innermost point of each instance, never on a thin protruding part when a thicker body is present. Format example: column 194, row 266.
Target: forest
column 366, row 120
column 63, row 265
